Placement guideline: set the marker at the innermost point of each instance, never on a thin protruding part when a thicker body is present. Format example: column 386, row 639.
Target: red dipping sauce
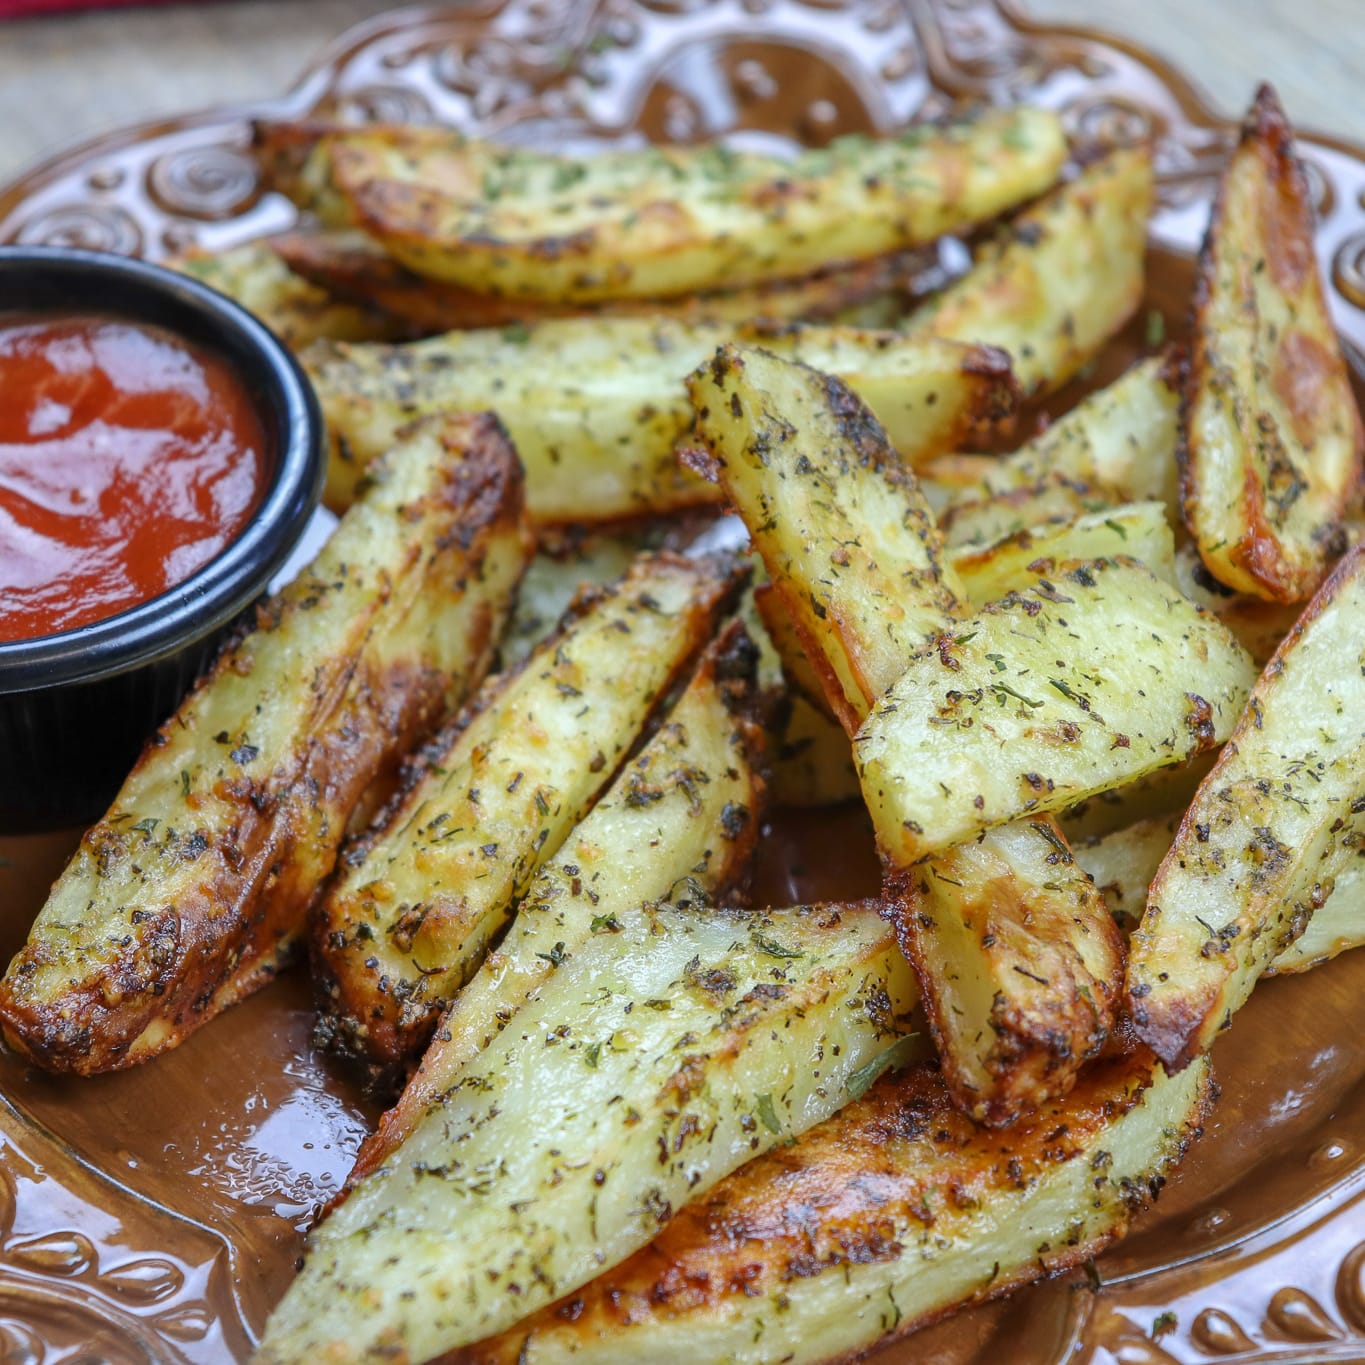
column 129, row 458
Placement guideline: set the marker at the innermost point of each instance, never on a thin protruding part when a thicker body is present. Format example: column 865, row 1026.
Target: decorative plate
column 156, row 1215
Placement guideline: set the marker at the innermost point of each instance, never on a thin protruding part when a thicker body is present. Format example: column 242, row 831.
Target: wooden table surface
column 67, row 78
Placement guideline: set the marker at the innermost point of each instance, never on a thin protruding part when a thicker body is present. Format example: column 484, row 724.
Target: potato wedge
column 797, row 669
column 1061, row 279
column 596, row 406
column 1259, row 625
column 993, row 516
column 1258, row 850
column 192, row 890
column 1084, row 681
column 1124, row 863
column 679, row 823
column 664, row 221
column 1273, row 440
column 350, row 265
column 846, row 537
column 410, row 915
column 887, row 1216
column 855, row 551
column 642, row 1072
column 295, row 309
column 1021, row 967
column 1121, row 439
column 812, row 760
column 1139, row 530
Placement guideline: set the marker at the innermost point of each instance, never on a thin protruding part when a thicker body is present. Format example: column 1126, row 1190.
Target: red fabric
column 18, row 9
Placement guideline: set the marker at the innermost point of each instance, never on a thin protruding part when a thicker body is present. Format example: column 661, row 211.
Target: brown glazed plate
column 156, row 1215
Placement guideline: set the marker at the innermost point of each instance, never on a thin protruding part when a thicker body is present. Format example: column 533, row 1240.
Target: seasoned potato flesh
column 192, row 890
column 1272, row 454
column 596, row 406
column 887, row 1216
column 294, row 308
column 1139, row 530
column 847, row 538
column 350, row 265
column 1122, row 438
column 1089, row 678
column 680, row 821
column 989, row 517
column 1020, row 965
column 1258, row 850
column 1258, row 624
column 674, row 220
column 410, row 916
column 643, row 1071
column 1061, row 279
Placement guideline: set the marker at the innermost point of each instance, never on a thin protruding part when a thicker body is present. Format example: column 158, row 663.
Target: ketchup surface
column 128, row 459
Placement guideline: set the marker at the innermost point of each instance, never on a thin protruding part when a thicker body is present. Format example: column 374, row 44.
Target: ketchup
column 129, row 458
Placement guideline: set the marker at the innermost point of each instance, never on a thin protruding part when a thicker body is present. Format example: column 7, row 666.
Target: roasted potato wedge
column 296, row 310
column 846, row 537
column 1139, row 530
column 1123, row 864
column 192, row 890
column 1145, row 798
column 800, row 674
column 1021, row 967
column 812, row 759
column 350, row 265
column 1258, row 624
column 679, row 823
column 641, row 1073
column 664, row 221
column 1121, row 439
column 597, row 406
column 419, row 897
column 992, row 517
column 1270, row 828
column 887, row 1216
column 1273, row 439
column 1061, row 279
column 1081, row 682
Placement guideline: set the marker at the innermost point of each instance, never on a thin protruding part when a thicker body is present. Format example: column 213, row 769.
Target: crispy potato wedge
column 1081, row 682
column 800, row 674
column 679, row 823
column 192, row 890
column 597, row 406
column 353, row 266
column 838, row 520
column 812, row 759
column 664, row 221
column 1139, row 530
column 1121, row 439
column 1258, row 850
column 1124, row 863
column 641, row 1073
column 887, row 1216
column 855, row 551
column 419, row 897
column 296, row 310
column 1273, row 439
column 1259, row 625
column 991, row 517
column 1021, row 967
column 1061, row 279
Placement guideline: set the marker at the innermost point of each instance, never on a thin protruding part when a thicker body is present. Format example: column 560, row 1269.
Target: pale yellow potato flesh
column 1061, row 279
column 1091, row 677
column 970, row 521
column 1270, row 828
column 597, row 406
